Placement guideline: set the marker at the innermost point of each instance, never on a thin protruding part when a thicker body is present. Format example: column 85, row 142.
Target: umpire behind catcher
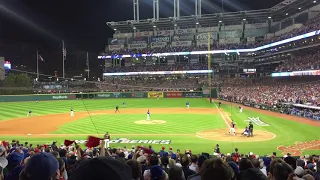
column 250, row 129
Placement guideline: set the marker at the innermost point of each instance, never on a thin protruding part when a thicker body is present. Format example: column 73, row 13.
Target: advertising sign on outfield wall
column 192, row 94
column 155, row 94
column 173, row 94
column 139, row 95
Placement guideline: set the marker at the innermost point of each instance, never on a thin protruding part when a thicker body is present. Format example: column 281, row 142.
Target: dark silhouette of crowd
column 44, row 162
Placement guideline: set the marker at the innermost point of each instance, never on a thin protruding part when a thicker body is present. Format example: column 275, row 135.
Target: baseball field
column 199, row 128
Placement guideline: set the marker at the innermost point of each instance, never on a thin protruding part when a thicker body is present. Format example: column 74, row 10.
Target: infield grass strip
column 125, row 123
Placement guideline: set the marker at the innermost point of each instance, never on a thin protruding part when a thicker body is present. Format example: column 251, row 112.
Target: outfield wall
column 106, row 95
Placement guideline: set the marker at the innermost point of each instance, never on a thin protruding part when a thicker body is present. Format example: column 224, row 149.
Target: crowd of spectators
column 301, row 62
column 166, row 67
column 311, row 25
column 53, row 162
column 149, row 84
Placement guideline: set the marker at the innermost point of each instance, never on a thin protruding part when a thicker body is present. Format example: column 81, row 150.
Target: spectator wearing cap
column 299, row 171
column 185, row 162
column 102, row 168
column 14, row 165
column 215, row 169
column 154, row 162
column 316, row 175
column 41, row 166
column 135, row 169
column 157, row 173
column 200, row 162
column 176, row 173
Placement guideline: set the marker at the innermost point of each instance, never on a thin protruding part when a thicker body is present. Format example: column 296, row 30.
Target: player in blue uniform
column 232, row 130
column 37, row 100
column 188, row 105
column 246, row 132
column 124, row 104
column 29, row 113
column 148, row 115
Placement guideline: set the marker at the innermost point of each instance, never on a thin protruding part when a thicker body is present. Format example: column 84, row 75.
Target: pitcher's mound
column 150, row 122
column 223, row 135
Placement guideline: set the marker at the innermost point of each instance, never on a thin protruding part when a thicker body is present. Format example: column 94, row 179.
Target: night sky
column 30, row 25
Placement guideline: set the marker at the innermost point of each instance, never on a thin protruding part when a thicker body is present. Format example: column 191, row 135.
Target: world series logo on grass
column 257, row 121
column 128, row 141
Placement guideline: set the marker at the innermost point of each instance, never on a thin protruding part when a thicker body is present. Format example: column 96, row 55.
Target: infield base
column 150, row 122
column 223, row 135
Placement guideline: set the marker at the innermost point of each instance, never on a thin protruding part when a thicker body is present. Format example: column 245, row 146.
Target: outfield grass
column 123, row 126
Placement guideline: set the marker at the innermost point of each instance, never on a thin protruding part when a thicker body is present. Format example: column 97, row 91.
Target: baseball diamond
column 171, row 123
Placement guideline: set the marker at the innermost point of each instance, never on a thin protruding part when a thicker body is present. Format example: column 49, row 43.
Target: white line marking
column 222, row 116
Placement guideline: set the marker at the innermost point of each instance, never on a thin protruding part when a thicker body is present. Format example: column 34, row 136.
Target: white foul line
column 222, row 116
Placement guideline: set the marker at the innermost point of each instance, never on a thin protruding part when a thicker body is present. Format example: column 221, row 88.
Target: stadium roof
column 278, row 12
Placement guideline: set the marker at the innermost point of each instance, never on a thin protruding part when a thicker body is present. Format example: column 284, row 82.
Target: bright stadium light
column 287, row 14
column 115, row 29
column 175, row 24
column 220, row 21
column 134, row 27
column 244, row 19
column 154, row 26
column 314, row 1
column 299, row 8
column 269, row 17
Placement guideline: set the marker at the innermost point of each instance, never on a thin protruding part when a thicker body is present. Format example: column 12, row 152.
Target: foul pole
column 209, row 62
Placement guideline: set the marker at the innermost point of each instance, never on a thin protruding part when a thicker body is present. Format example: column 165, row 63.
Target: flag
column 68, row 142
column 93, row 141
column 64, row 51
column 40, row 57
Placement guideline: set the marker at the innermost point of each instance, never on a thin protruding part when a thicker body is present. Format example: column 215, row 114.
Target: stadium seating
column 22, row 161
column 311, row 25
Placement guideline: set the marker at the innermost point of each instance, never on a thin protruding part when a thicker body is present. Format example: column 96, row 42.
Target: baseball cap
column 3, row 162
column 101, row 168
column 15, row 158
column 299, row 171
column 41, row 166
column 156, row 172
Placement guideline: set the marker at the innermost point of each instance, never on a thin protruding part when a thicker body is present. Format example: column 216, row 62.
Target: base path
column 50, row 123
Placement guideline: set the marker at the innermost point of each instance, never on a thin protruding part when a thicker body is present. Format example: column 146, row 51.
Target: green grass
column 288, row 132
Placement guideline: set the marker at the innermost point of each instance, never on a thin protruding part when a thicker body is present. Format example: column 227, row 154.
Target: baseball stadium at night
column 231, row 94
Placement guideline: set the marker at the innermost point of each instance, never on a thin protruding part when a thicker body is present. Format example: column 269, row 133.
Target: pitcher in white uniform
column 148, row 115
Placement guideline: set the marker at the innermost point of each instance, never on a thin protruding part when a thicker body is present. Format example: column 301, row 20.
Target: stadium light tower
column 176, row 10
column 136, row 10
column 197, row 7
column 156, row 10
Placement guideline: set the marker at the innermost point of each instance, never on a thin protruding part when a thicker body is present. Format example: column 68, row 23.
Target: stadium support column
column 156, row 10
column 197, row 8
column 209, row 62
column 136, row 10
column 176, row 10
